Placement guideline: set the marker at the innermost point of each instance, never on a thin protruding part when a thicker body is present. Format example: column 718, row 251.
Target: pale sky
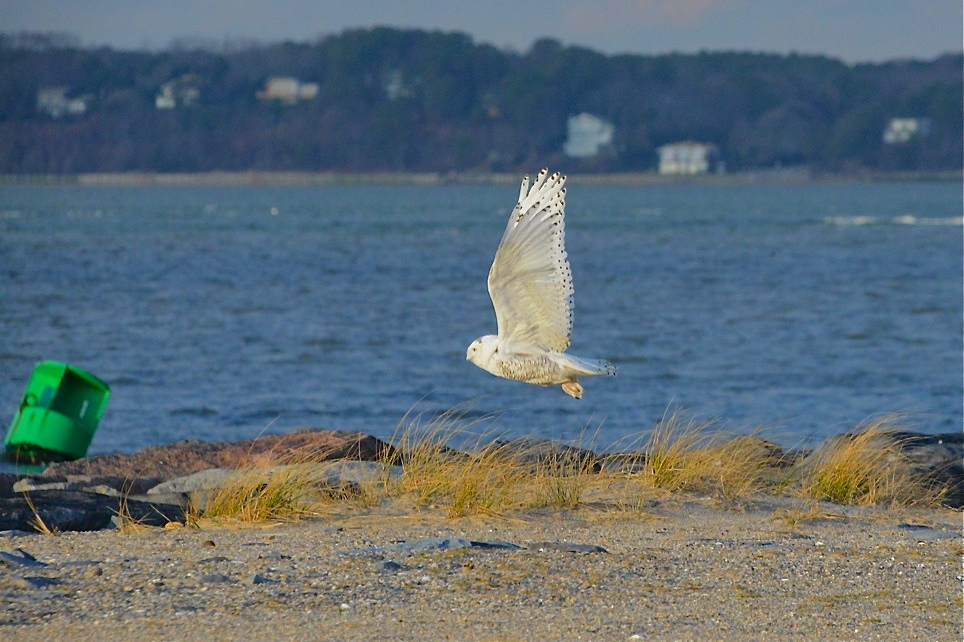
column 854, row 30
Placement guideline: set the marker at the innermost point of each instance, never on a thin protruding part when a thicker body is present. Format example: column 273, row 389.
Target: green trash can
column 58, row 414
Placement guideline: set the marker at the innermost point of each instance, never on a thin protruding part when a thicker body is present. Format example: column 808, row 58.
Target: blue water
column 802, row 309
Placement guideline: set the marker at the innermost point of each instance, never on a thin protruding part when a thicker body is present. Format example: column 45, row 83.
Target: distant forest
column 406, row 100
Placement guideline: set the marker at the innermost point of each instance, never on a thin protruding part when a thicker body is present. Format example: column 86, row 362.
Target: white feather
column 530, row 281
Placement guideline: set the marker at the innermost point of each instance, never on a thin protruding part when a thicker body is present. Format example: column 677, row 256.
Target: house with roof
column 179, row 92
column 287, row 89
column 688, row 158
column 587, row 136
column 904, row 130
column 54, row 102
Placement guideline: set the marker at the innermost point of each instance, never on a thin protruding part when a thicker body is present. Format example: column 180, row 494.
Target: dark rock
column 923, row 532
column 19, row 558
column 80, row 511
column 622, row 463
column 549, row 454
column 433, row 543
column 217, row 559
column 258, row 578
column 566, row 547
column 216, row 578
column 28, row 582
column 939, row 459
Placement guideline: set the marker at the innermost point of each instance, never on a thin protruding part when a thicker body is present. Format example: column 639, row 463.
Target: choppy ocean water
column 219, row 313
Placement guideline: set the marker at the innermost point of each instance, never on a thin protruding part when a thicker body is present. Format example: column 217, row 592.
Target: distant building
column 902, row 130
column 288, row 90
column 54, row 102
column 587, row 136
column 396, row 87
column 181, row 91
column 688, row 158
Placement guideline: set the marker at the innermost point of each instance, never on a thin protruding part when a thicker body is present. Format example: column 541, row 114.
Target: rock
column 258, row 578
column 19, row 558
column 347, row 472
column 191, row 456
column 622, row 463
column 27, row 582
column 216, row 578
column 103, row 484
column 922, row 532
column 38, row 484
column 432, row 543
column 28, row 484
column 209, row 479
column 66, row 510
column 760, row 451
column 566, row 547
column 939, row 459
column 550, row 454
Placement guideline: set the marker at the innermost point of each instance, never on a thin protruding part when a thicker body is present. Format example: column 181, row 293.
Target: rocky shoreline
column 155, row 485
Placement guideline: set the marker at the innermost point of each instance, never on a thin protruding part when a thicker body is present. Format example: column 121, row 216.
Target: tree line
column 410, row 100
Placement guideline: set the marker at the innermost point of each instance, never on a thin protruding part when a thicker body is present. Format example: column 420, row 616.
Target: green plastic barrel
column 58, row 414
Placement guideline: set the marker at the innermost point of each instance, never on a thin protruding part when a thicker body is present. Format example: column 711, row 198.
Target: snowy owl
column 531, row 288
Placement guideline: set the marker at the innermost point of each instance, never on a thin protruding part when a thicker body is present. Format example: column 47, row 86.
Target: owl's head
column 481, row 350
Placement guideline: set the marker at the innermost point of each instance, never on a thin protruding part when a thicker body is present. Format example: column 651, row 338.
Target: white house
column 53, row 101
column 902, row 130
column 180, row 91
column 587, row 136
column 687, row 158
column 288, row 90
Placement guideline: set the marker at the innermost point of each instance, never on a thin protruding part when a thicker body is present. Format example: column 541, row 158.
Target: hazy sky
column 854, row 30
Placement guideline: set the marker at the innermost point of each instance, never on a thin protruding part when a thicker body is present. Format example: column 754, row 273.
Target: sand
column 683, row 569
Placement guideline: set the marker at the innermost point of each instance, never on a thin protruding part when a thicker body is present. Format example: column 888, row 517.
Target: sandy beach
column 682, row 568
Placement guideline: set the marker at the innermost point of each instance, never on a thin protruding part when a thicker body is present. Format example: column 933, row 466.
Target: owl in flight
column 531, row 288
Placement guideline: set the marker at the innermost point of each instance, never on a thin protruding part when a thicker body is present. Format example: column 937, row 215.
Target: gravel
column 686, row 570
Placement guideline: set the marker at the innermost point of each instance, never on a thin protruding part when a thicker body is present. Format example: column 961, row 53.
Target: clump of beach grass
column 265, row 493
column 560, row 482
column 478, row 478
column 866, row 467
column 683, row 454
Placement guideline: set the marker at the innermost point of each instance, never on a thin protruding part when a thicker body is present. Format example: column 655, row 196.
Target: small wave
column 898, row 220
column 195, row 411
column 851, row 220
column 953, row 220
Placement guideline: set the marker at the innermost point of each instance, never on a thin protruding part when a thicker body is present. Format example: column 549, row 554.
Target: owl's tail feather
column 590, row 367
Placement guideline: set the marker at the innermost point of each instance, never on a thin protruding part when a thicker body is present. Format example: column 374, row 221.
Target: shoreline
column 303, row 179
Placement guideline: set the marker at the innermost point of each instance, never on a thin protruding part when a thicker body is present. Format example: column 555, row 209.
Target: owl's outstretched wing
column 530, row 281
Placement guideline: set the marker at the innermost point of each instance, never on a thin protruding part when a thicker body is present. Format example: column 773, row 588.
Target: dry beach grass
column 488, row 477
column 705, row 538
